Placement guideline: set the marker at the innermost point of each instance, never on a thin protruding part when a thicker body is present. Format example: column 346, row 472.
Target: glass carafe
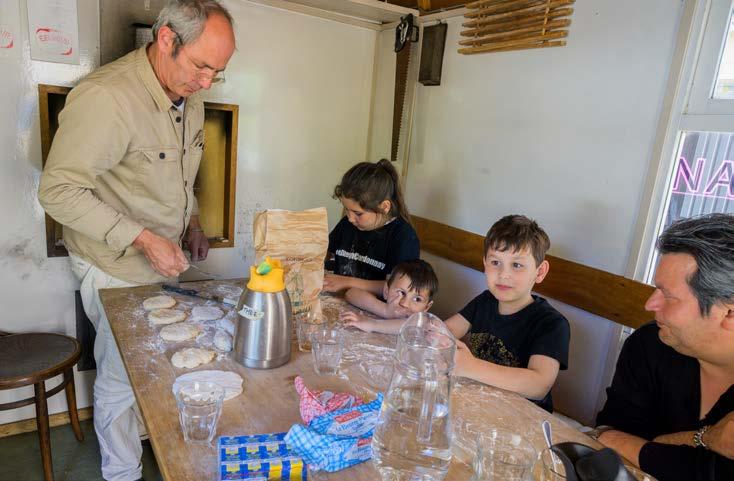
column 412, row 441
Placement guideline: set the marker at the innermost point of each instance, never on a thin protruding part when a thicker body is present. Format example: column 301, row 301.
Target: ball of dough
column 191, row 357
column 158, row 302
column 166, row 316
column 206, row 313
column 179, row 332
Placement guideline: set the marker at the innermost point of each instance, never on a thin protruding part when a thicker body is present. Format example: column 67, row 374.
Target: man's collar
column 150, row 81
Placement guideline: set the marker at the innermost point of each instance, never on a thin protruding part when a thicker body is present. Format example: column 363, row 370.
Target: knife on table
column 200, row 295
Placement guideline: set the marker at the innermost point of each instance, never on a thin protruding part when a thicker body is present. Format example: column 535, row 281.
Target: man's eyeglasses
column 202, row 72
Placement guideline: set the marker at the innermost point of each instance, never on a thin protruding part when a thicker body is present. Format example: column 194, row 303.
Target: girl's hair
column 369, row 184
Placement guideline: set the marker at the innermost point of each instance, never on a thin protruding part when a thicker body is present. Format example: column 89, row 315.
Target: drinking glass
column 326, row 345
column 503, row 455
column 199, row 408
column 306, row 325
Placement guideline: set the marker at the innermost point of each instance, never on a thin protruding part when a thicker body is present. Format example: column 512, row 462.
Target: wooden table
column 269, row 402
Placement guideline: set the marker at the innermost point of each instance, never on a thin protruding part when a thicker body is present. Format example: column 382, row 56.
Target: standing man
column 120, row 177
column 670, row 409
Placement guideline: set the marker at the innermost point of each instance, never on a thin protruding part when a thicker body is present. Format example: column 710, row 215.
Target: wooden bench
column 599, row 292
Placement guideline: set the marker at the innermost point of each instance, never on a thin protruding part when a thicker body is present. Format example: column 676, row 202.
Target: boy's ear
column 384, row 291
column 543, row 269
column 428, row 306
column 385, row 206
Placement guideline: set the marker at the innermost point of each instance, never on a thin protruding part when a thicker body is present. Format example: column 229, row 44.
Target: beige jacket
column 123, row 158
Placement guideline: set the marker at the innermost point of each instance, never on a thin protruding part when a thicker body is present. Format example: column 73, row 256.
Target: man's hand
column 720, row 437
column 164, row 256
column 198, row 245
column 462, row 359
column 196, row 240
column 336, row 283
column 360, row 321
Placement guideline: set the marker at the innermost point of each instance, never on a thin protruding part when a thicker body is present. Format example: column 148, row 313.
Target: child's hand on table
column 360, row 321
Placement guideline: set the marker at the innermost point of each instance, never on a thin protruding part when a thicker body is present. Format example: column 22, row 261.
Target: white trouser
column 115, row 421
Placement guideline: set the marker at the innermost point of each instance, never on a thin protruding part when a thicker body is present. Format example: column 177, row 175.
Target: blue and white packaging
column 356, row 422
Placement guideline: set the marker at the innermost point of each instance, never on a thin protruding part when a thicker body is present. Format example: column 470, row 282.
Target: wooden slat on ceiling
column 426, row 6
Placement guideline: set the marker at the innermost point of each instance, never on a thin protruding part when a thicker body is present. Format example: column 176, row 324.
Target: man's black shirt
column 656, row 390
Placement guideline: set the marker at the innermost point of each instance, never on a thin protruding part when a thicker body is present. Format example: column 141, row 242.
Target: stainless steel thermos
column 265, row 324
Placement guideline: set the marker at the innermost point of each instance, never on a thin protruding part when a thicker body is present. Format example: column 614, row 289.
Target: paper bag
column 300, row 240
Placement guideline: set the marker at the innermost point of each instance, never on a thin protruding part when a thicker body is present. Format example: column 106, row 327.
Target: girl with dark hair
column 375, row 233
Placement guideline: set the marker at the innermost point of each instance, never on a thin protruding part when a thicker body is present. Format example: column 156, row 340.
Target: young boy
column 516, row 341
column 408, row 289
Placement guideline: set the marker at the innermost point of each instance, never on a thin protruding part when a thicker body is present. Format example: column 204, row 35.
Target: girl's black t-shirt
column 510, row 340
column 371, row 254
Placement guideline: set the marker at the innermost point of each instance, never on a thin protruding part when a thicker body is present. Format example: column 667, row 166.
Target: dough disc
column 158, row 302
column 191, row 357
column 166, row 316
column 230, row 381
column 179, row 332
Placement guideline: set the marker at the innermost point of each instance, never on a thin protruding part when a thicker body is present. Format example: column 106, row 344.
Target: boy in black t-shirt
column 516, row 340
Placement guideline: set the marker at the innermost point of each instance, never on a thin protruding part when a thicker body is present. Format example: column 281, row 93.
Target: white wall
column 563, row 135
column 36, row 293
column 303, row 85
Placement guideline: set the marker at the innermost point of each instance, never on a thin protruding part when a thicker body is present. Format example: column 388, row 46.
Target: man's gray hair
column 710, row 240
column 187, row 18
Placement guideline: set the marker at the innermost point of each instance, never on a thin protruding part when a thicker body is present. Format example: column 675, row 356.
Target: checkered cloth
column 317, row 403
column 337, row 440
column 326, row 452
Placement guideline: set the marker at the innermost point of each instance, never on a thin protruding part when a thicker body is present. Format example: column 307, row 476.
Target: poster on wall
column 54, row 31
column 9, row 28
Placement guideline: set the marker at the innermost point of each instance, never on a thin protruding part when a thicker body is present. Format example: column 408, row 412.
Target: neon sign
column 689, row 181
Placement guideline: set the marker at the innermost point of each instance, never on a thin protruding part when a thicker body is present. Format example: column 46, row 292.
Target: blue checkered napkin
column 327, row 452
column 355, row 422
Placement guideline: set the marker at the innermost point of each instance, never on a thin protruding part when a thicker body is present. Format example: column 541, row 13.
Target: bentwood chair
column 32, row 358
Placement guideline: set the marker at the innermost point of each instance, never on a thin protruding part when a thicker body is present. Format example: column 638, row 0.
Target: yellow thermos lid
column 267, row 276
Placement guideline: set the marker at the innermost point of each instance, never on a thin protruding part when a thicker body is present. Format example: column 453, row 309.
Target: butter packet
column 258, row 457
column 252, row 452
column 251, row 439
column 265, row 471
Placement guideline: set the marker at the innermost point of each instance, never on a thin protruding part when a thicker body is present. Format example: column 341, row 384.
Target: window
column 724, row 88
column 695, row 167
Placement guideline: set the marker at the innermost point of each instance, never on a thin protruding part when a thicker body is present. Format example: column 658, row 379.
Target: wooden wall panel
column 599, row 292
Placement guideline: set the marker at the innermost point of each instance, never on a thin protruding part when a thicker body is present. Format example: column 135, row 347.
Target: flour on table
column 227, row 325
column 206, row 313
column 230, row 381
column 191, row 357
column 222, row 340
column 158, row 302
column 166, row 316
column 179, row 332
